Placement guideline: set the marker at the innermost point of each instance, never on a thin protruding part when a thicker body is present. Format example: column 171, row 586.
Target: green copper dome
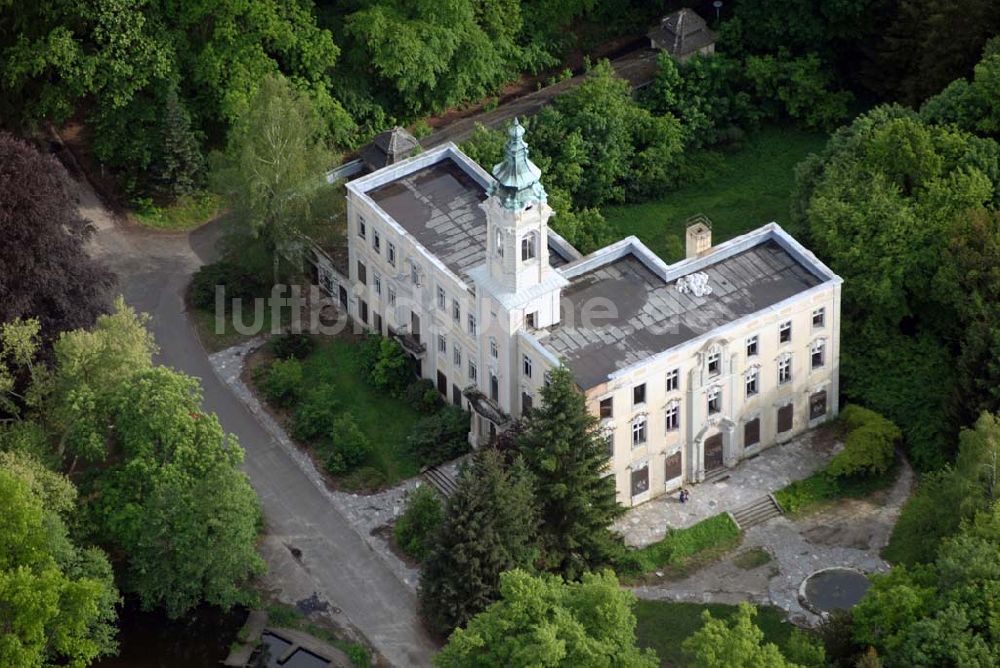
column 517, row 178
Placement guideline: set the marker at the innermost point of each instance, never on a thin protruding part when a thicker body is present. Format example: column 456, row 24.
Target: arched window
column 529, row 246
column 499, row 242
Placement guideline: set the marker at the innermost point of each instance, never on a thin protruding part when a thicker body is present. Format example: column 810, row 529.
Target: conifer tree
column 490, row 527
column 563, row 447
column 180, row 164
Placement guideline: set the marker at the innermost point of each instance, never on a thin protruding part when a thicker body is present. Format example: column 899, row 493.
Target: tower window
column 529, row 245
column 499, row 243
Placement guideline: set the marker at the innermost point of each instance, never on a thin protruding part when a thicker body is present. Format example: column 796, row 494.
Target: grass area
column 752, row 188
column 204, row 324
column 664, row 625
column 285, row 616
column 384, row 420
column 753, row 558
column 821, row 488
column 186, row 213
column 683, row 551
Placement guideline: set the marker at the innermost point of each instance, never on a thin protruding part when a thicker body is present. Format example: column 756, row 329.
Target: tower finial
column 517, row 177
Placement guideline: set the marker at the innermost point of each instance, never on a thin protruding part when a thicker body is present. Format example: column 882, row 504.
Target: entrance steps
column 441, row 479
column 757, row 512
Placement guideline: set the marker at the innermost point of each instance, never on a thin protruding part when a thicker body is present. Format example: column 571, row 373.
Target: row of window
column 415, row 276
column 639, row 482
column 817, row 355
column 672, row 416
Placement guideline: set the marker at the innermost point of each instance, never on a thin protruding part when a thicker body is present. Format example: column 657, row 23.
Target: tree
column 174, row 499
column 58, row 599
column 563, row 447
column 599, row 145
column 738, row 644
column 543, row 621
column 433, row 55
column 912, row 62
column 972, row 106
column 53, row 54
column 416, row 529
column 90, row 367
column 272, row 172
column 878, row 205
column 490, row 526
column 45, row 273
column 870, row 444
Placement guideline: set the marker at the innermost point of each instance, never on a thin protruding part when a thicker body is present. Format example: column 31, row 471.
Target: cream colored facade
column 484, row 323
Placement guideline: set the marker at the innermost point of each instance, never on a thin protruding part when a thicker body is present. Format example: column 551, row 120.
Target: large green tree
column 879, row 204
column 173, row 498
column 273, row 167
column 734, row 644
column 543, row 621
column 57, row 599
column 564, row 448
column 490, row 526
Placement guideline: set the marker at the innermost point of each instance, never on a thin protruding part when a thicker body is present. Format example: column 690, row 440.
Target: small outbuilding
column 683, row 34
column 389, row 148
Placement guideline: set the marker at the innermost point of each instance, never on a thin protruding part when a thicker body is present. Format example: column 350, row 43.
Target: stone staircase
column 757, row 512
column 441, row 479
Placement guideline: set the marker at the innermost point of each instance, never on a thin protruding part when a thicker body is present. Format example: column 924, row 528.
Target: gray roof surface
column 439, row 206
column 682, row 32
column 654, row 316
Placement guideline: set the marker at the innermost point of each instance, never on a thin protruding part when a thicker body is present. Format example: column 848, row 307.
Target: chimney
column 697, row 235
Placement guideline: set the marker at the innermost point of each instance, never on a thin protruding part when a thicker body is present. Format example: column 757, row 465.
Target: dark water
column 151, row 640
column 836, row 589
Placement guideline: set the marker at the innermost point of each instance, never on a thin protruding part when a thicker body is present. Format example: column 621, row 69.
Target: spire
column 517, row 177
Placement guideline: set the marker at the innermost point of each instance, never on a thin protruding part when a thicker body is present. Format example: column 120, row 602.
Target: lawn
column 664, row 625
column 683, row 551
column 187, row 213
column 820, row 489
column 751, row 189
column 384, row 420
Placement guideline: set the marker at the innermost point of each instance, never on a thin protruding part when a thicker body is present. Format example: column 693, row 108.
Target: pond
column 152, row 640
column 833, row 589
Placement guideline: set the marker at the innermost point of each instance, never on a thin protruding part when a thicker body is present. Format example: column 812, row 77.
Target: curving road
column 334, row 562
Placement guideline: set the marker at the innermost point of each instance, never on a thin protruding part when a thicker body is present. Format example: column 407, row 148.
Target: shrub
column 316, row 414
column 418, row 524
column 238, row 281
column 869, row 447
column 280, row 382
column 349, row 447
column 364, row 479
column 440, row 437
column 291, row 345
column 422, row 396
column 386, row 365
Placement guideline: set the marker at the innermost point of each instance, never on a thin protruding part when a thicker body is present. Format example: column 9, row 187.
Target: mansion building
column 690, row 367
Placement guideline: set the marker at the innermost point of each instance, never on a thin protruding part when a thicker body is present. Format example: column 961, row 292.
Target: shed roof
column 682, row 33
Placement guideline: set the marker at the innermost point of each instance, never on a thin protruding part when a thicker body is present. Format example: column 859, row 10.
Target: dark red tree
column 45, row 271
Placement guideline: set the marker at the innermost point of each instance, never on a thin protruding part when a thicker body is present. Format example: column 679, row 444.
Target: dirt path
column 850, row 533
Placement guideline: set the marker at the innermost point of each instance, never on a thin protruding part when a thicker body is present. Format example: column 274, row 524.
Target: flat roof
column 439, row 206
column 654, row 316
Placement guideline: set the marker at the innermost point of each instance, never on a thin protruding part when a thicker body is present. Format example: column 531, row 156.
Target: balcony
column 411, row 344
column 486, row 407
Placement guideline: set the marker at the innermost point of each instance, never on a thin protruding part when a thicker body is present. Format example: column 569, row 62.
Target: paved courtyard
column 766, row 473
column 850, row 533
